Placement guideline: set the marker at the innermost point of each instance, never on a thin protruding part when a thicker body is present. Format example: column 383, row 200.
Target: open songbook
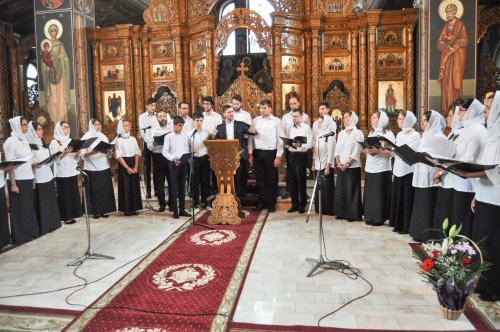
column 103, row 147
column 160, row 139
column 50, row 159
column 78, row 144
column 374, row 142
column 6, row 164
column 296, row 139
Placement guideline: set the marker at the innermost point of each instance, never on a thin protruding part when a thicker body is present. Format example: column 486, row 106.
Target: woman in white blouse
column 402, row 189
column 324, row 162
column 23, row 218
column 100, row 194
column 68, row 193
column 378, row 175
column 348, row 189
column 47, row 208
column 127, row 153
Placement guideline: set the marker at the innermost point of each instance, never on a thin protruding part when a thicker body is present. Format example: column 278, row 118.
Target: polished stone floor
column 277, row 290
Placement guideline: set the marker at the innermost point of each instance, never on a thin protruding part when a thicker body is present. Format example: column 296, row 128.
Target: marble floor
column 277, row 290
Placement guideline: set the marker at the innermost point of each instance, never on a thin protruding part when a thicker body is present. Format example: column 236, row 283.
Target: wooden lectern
column 224, row 160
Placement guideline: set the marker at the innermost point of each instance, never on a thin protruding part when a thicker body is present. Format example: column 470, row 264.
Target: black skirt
column 461, row 213
column 327, row 193
column 100, row 194
column 486, row 225
column 129, row 191
column 4, row 220
column 444, row 199
column 23, row 219
column 68, row 197
column 422, row 214
column 348, row 195
column 401, row 203
column 377, row 196
column 47, row 209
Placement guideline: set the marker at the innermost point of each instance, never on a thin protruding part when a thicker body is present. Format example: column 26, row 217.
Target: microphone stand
column 90, row 252
column 148, row 205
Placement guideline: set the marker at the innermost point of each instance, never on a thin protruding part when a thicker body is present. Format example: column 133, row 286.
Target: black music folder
column 296, row 139
column 452, row 165
column 78, row 144
column 6, row 164
column 103, row 147
column 50, row 159
column 160, row 139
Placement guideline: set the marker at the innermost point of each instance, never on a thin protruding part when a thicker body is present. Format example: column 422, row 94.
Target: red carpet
column 190, row 283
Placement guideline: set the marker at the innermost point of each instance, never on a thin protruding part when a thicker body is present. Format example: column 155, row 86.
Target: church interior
column 114, row 55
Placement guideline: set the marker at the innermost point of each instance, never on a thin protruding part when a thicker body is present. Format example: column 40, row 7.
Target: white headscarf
column 493, row 124
column 32, row 136
column 16, row 130
column 409, row 122
column 59, row 134
column 92, row 132
column 383, row 121
column 121, row 131
column 434, row 124
column 455, row 121
column 474, row 114
column 353, row 122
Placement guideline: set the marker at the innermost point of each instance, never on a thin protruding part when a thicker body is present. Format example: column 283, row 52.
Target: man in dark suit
column 233, row 129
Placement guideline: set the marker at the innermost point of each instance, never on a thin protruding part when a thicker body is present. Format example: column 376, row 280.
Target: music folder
column 160, row 139
column 296, row 139
column 78, row 144
column 453, row 165
column 50, row 159
column 103, row 147
column 6, row 164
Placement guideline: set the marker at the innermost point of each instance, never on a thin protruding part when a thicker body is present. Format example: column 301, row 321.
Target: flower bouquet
column 452, row 267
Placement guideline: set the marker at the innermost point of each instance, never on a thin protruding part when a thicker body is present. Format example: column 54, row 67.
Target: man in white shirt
column 148, row 121
column 240, row 114
column 200, row 176
column 297, row 156
column 211, row 120
column 183, row 112
column 265, row 154
column 176, row 150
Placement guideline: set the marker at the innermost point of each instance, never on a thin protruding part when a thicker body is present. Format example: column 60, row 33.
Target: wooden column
column 209, row 37
column 4, row 104
column 355, row 71
column 306, row 97
column 186, row 73
column 372, row 78
column 129, row 100
column 362, row 78
column 13, row 44
column 410, row 71
column 315, row 84
column 138, row 79
column 278, row 102
column 146, row 69
column 178, row 67
column 97, row 86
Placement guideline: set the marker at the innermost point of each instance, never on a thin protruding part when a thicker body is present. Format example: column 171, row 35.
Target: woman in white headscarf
column 46, row 205
column 324, row 112
column 378, row 174
column 324, row 162
column 68, row 193
column 99, row 190
column 348, row 189
column 402, row 190
column 23, row 219
column 433, row 142
column 127, row 153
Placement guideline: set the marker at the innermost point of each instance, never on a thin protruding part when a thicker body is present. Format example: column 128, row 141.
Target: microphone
column 194, row 132
column 81, row 170
column 146, row 128
column 330, row 134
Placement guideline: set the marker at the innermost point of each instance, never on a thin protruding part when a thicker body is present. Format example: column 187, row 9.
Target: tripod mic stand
column 90, row 252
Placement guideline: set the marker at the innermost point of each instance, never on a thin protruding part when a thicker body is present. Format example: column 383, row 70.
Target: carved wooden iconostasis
column 315, row 49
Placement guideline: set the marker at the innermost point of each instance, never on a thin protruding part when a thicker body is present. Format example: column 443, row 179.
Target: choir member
column 211, row 119
column 147, row 122
column 243, row 116
column 378, row 174
column 128, row 154
column 435, row 143
column 297, row 155
column 68, row 193
column 5, row 239
column 402, row 190
column 47, row 207
column 324, row 115
column 23, row 217
column 200, row 174
column 265, row 152
column 175, row 149
column 99, row 189
column 347, row 202
column 324, row 163
column 183, row 112
column 160, row 164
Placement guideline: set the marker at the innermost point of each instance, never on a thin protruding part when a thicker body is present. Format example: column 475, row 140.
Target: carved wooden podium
column 224, row 160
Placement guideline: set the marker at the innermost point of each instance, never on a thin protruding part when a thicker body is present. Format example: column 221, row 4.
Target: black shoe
column 258, row 208
column 96, row 216
column 176, row 215
column 185, row 214
column 292, row 209
column 127, row 214
column 162, row 209
column 302, row 210
column 148, row 195
column 135, row 213
column 286, row 195
column 196, row 206
column 376, row 224
column 104, row 215
column 69, row 222
column 368, row 222
column 272, row 209
column 488, row 297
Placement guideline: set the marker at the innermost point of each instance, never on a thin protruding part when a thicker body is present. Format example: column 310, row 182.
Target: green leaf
column 452, row 231
column 445, row 224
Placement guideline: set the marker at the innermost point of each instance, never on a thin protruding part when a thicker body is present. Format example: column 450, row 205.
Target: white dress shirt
column 175, row 145
column 378, row 163
column 243, row 116
column 98, row 161
column 327, row 123
column 287, row 120
column 347, row 147
column 229, row 129
column 158, row 131
column 44, row 173
column 188, row 125
column 323, row 151
column 211, row 120
column 300, row 130
column 127, row 147
column 65, row 167
column 269, row 130
column 14, row 148
column 412, row 139
column 2, row 180
column 199, row 148
column 146, row 120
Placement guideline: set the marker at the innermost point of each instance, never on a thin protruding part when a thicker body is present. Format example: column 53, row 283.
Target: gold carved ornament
column 167, row 103
column 337, row 100
column 289, row 6
column 160, row 11
column 224, row 160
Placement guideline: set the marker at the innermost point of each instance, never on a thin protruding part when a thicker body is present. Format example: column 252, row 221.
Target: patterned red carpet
column 190, row 283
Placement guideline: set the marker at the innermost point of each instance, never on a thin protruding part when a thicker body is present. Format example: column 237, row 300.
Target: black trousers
column 177, row 186
column 267, row 177
column 148, row 156
column 200, row 179
column 241, row 178
column 160, row 174
column 297, row 178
